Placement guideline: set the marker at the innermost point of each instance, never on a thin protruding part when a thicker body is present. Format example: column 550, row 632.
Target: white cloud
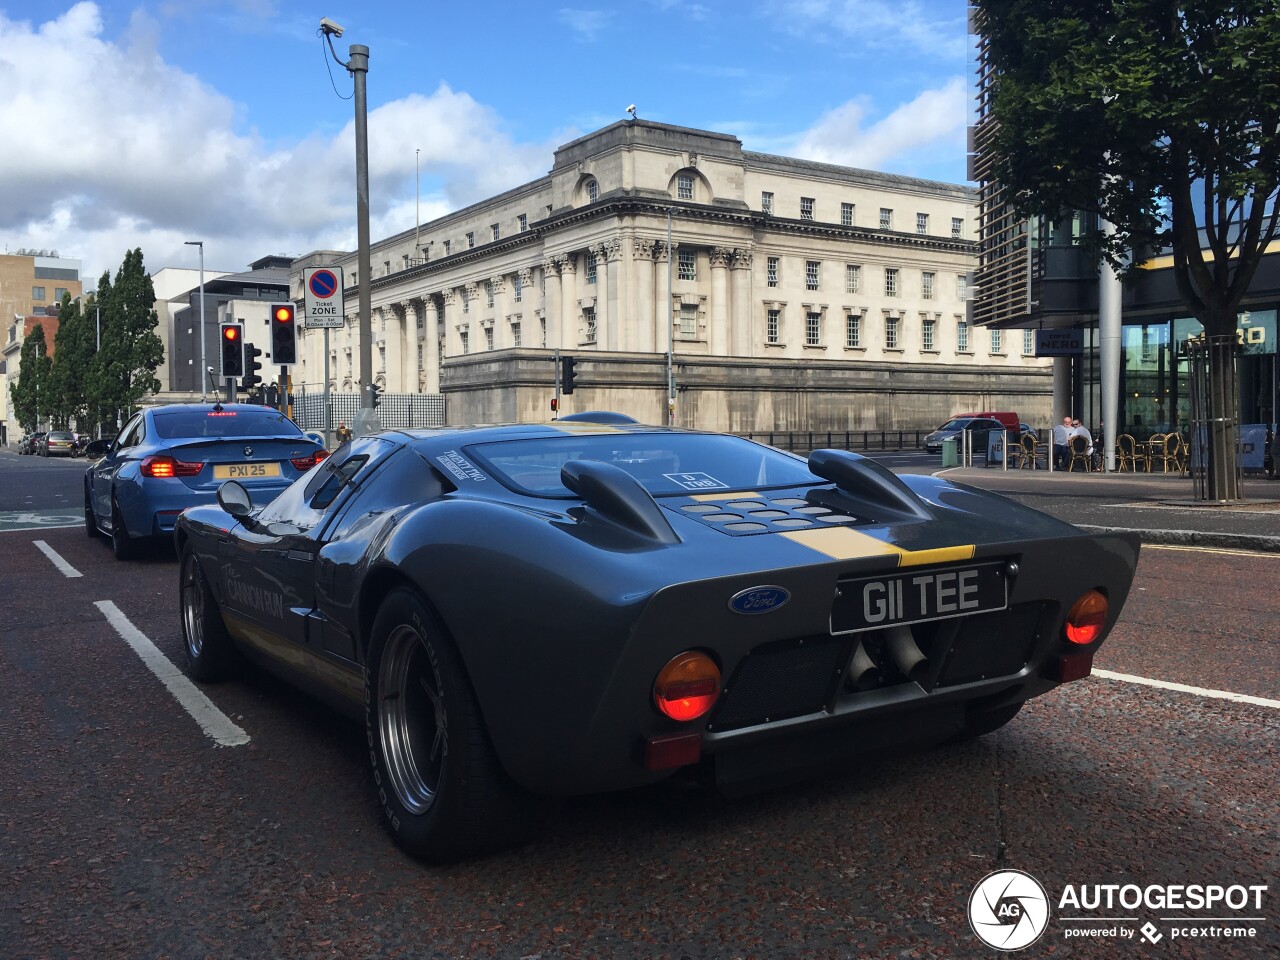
column 125, row 150
column 911, row 27
column 588, row 24
column 913, row 135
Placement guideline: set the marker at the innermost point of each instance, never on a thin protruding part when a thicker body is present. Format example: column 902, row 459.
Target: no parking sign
column 322, row 290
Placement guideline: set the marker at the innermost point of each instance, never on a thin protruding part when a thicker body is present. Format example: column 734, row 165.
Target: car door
column 108, row 468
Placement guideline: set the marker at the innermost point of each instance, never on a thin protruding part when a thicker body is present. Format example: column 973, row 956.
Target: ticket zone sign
column 323, row 306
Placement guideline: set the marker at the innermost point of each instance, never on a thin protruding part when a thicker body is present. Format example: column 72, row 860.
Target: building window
column 593, row 191
column 684, row 187
column 890, row 281
column 772, row 326
column 488, row 338
column 962, row 337
column 891, row 333
column 927, row 335
column 542, row 331
column 962, row 288
column 37, row 293
column 488, row 292
column 496, row 232
column 59, row 293
column 589, row 321
column 811, row 274
column 515, row 335
column 688, row 265
column 1028, row 342
column 688, row 321
column 771, row 271
column 471, row 239
column 386, row 268
column 813, row 329
column 852, row 278
column 523, row 220
column 466, row 340
column 957, row 228
column 926, row 285
column 853, row 330
column 886, row 218
column 447, row 244
column 846, row 214
column 766, row 201
column 466, row 301
column 997, row 341
column 922, row 223
column 517, row 288
column 806, row 208
column 591, row 267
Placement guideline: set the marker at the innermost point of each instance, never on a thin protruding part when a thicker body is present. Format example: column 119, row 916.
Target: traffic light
column 284, row 334
column 555, row 404
column 232, row 340
column 567, row 375
column 377, row 394
column 251, row 367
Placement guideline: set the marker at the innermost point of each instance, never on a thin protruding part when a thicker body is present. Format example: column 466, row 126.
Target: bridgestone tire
column 211, row 653
column 442, row 790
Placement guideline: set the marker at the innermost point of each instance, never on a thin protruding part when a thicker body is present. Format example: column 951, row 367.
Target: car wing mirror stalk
column 867, row 480
column 235, row 500
column 615, row 494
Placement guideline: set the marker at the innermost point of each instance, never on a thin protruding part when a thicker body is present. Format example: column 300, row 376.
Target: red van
column 1007, row 417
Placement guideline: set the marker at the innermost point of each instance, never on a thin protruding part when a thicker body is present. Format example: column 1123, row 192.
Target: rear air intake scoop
column 867, row 481
column 616, row 495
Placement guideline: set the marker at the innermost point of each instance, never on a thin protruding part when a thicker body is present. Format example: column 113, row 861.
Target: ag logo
column 1008, row 910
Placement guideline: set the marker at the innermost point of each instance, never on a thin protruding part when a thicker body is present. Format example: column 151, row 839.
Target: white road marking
column 1223, row 551
column 65, row 568
column 216, row 724
column 1185, row 688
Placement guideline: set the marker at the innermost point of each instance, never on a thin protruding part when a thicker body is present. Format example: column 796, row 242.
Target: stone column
column 394, row 339
column 640, row 323
column 413, row 345
column 527, row 309
column 501, row 336
column 452, row 314
column 742, row 338
column 430, row 339
column 568, row 305
column 663, row 320
column 719, row 334
column 551, row 303
column 606, row 324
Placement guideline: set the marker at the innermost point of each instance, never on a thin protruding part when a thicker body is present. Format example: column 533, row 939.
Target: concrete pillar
column 641, row 330
column 452, row 317
column 431, row 340
column 568, row 305
column 1062, row 388
column 620, row 301
column 501, row 335
column 719, row 333
column 1109, row 347
column 742, row 339
column 606, row 296
column 412, row 345
column 551, row 299
column 662, row 309
column 394, row 338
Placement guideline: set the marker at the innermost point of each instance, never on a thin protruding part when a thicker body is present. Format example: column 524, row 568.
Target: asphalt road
column 126, row 831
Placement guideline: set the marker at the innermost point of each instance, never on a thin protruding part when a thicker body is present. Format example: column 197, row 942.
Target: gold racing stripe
column 719, row 497
column 581, row 427
column 841, row 543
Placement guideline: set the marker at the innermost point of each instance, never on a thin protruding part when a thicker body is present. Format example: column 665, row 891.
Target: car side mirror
column 234, row 499
column 97, row 448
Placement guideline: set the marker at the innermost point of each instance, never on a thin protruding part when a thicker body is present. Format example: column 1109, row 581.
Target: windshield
column 664, row 463
column 224, row 423
column 958, row 423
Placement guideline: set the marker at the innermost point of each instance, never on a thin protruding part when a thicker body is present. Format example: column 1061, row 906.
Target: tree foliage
column 29, row 393
column 123, row 370
column 74, row 348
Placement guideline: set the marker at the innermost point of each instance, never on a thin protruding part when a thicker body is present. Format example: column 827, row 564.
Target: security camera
column 329, row 27
column 631, row 109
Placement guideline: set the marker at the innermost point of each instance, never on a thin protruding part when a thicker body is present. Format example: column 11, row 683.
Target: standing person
column 1082, row 431
column 1062, row 435
column 344, row 432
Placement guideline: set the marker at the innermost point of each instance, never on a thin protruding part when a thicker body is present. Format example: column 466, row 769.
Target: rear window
column 59, row 435
column 663, row 463
column 179, row 424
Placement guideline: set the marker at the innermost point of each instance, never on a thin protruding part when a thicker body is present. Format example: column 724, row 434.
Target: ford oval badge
column 758, row 599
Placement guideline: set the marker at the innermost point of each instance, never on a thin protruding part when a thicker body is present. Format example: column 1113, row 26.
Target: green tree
column 123, row 371
column 29, row 393
column 1163, row 118
column 72, row 357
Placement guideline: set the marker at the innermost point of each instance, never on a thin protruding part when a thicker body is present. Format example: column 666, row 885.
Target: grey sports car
column 584, row 605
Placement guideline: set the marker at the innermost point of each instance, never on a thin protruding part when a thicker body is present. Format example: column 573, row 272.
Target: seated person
column 1062, row 434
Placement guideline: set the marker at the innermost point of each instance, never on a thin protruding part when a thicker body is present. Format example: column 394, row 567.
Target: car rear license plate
column 916, row 596
column 245, row 471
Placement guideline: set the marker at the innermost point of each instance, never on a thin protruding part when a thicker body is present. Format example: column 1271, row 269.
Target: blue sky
column 217, row 120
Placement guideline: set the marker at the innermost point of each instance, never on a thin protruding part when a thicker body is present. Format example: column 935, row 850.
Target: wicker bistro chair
column 1023, row 453
column 1182, row 453
column 1157, row 448
column 1079, row 447
column 1126, row 453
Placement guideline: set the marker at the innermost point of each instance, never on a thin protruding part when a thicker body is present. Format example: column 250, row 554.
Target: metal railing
column 856, row 440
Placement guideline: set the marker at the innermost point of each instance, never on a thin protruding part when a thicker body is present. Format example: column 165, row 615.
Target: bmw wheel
column 90, row 521
column 440, row 785
column 122, row 545
column 211, row 653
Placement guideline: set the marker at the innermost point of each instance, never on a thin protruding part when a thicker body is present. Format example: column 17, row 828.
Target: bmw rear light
column 688, row 686
column 1087, row 617
column 164, row 467
column 306, row 463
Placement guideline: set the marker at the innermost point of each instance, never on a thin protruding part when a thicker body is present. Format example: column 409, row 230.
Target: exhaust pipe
column 863, row 672
column 906, row 656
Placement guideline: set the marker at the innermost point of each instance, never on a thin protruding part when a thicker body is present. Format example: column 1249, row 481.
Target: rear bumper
column 153, row 511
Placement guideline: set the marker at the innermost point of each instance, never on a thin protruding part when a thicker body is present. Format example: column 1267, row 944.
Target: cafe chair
column 1156, row 447
column 1079, row 454
column 1165, row 450
column 1024, row 452
column 1126, row 453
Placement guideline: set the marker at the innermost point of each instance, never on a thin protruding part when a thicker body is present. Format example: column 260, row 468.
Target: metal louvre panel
column 992, row 645
column 780, row 680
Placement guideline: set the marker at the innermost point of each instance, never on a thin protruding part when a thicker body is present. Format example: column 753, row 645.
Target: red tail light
column 306, row 463
column 161, row 466
column 1087, row 617
column 688, row 686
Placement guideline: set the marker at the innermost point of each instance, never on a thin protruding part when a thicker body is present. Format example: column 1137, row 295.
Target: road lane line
column 1223, row 551
column 216, row 724
column 1185, row 688
column 66, row 569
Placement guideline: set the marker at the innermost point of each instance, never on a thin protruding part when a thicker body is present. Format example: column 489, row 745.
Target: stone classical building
column 794, row 295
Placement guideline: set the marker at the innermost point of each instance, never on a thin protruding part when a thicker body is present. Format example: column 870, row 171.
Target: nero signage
column 322, row 290
column 1059, row 343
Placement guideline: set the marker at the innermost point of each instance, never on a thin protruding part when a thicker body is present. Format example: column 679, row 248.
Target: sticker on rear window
column 696, row 481
column 460, row 466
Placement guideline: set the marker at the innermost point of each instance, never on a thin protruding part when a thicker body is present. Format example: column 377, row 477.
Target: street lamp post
column 200, row 244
